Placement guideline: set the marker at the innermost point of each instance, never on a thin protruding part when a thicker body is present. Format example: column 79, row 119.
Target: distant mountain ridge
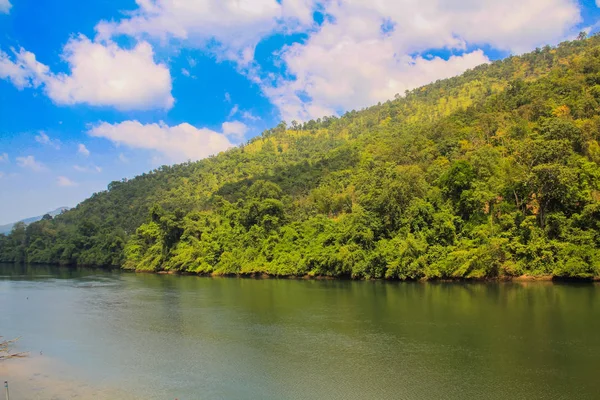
column 8, row 227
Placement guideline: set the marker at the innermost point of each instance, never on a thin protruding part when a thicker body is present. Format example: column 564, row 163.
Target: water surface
column 188, row 337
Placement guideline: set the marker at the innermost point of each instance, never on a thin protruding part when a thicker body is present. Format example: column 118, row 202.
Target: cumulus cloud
column 81, row 149
column 44, row 139
column 515, row 25
column 234, row 129
column 30, row 162
column 235, row 26
column 106, row 75
column 5, row 6
column 3, row 158
column 178, row 143
column 101, row 74
column 368, row 73
column 63, row 181
column 25, row 71
column 367, row 51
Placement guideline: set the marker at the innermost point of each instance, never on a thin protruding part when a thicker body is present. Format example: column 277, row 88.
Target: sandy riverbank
column 39, row 377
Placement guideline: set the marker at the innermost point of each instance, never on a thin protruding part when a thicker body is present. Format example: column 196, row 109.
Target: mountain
column 8, row 227
column 494, row 173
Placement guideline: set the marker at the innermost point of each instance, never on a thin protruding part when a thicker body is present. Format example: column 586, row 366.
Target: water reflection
column 191, row 337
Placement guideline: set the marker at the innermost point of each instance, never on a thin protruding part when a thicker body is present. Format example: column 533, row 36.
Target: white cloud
column 81, row 149
column 63, row 181
column 515, row 25
column 24, row 71
column 101, row 74
column 106, row 75
column 234, row 110
column 123, row 158
column 247, row 115
column 187, row 73
column 234, row 129
column 91, row 168
column 178, row 143
column 29, row 162
column 236, row 26
column 351, row 62
column 44, row 139
column 3, row 158
column 5, row 6
column 368, row 73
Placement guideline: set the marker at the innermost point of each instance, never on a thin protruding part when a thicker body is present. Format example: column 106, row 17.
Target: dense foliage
column 493, row 173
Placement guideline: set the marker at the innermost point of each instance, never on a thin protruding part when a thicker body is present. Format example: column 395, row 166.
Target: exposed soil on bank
column 42, row 378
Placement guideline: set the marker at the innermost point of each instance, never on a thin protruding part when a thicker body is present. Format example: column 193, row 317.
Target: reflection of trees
column 44, row 271
column 261, row 338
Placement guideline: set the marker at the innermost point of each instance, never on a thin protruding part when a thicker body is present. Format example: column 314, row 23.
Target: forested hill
column 8, row 227
column 493, row 173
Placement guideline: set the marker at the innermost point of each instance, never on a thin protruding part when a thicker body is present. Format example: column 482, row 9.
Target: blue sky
column 96, row 91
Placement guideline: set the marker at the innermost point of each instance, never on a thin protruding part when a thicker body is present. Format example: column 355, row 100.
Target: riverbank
column 504, row 278
column 40, row 377
column 264, row 275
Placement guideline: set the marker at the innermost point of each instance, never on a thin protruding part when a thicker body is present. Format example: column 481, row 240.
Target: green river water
column 94, row 333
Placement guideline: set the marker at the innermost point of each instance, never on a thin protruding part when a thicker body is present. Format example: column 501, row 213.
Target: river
column 110, row 334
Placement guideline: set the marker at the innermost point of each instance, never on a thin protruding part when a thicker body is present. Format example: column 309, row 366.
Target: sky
column 97, row 91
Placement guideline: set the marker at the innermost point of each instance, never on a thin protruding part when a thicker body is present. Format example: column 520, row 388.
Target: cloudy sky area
column 96, row 91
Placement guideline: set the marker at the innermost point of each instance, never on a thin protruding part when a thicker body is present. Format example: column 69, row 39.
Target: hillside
column 492, row 173
column 8, row 227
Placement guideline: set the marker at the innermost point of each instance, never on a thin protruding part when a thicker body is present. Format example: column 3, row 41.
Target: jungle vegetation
column 494, row 173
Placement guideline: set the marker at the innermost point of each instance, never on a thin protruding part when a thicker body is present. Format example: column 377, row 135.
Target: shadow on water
column 31, row 272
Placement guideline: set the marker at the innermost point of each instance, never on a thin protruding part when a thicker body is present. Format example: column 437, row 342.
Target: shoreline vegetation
column 262, row 275
column 520, row 278
column 491, row 175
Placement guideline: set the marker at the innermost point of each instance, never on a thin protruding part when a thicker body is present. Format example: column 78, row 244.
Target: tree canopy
column 492, row 173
